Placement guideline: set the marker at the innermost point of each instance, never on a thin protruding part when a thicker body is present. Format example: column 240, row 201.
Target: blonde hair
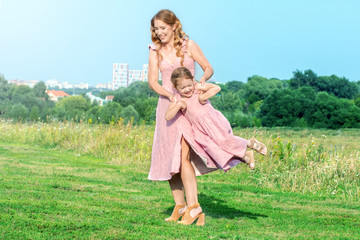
column 169, row 18
column 180, row 73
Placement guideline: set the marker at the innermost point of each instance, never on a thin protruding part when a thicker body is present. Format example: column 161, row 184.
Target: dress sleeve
column 152, row 47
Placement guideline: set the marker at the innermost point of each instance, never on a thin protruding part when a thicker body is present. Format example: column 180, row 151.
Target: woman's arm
column 195, row 52
column 153, row 75
column 208, row 90
column 173, row 109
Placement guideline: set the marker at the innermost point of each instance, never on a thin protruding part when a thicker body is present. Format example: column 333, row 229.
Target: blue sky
column 79, row 40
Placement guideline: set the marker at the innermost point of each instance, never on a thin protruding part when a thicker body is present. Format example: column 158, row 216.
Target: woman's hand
column 202, row 81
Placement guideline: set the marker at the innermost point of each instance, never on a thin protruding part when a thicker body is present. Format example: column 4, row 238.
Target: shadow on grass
column 218, row 208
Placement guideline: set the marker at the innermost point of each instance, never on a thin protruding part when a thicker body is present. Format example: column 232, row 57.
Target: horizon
column 244, row 39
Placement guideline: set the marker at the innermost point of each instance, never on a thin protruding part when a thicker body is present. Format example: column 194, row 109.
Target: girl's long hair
column 169, row 18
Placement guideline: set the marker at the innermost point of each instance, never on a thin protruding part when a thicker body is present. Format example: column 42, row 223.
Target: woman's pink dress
column 166, row 151
column 214, row 134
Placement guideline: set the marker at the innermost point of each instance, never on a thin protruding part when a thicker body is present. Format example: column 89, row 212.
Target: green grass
column 55, row 194
column 312, row 161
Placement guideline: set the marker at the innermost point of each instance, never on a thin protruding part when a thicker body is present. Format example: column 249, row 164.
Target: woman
column 174, row 139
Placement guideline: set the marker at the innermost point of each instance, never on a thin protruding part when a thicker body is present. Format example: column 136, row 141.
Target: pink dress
column 213, row 132
column 166, row 150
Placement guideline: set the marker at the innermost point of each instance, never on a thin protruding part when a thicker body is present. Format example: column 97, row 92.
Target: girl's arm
column 195, row 52
column 173, row 109
column 208, row 90
column 153, row 75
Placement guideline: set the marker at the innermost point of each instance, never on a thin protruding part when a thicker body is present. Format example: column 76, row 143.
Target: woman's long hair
column 169, row 18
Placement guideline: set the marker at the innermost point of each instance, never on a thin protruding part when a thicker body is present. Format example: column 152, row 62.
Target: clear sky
column 79, row 40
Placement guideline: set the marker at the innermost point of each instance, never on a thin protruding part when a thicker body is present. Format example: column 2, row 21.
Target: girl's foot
column 192, row 214
column 249, row 159
column 178, row 212
column 257, row 146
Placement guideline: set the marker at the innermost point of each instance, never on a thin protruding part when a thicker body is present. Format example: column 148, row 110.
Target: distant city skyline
column 78, row 41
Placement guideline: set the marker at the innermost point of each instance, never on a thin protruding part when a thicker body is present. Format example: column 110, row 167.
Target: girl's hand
column 172, row 98
column 182, row 105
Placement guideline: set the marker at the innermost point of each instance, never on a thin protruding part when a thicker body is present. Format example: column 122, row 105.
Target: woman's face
column 164, row 31
column 185, row 87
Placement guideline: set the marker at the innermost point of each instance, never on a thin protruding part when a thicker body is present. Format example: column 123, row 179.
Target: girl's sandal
column 258, row 146
column 187, row 219
column 178, row 212
column 249, row 159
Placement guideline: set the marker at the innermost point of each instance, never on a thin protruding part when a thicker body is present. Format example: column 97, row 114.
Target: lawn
column 51, row 193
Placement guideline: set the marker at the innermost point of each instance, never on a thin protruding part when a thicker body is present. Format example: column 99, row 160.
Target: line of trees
column 305, row 100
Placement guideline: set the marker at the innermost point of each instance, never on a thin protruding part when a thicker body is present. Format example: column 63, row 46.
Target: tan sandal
column 187, row 219
column 258, row 146
column 249, row 159
column 177, row 213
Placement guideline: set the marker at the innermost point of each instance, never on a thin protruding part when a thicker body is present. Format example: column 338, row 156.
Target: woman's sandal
column 187, row 219
column 178, row 212
column 258, row 146
column 249, row 159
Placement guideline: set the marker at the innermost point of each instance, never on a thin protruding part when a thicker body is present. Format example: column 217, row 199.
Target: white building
column 81, row 85
column 104, row 85
column 135, row 75
column 67, row 85
column 93, row 98
column 144, row 74
column 52, row 83
column 30, row 83
column 123, row 77
column 120, row 75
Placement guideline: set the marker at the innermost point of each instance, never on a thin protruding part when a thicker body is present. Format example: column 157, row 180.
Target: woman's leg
column 188, row 174
column 188, row 178
column 177, row 189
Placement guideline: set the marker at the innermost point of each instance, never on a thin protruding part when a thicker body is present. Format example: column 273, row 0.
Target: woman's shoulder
column 190, row 43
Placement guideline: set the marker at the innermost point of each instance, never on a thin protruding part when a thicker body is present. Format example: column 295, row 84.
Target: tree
column 40, row 90
column 227, row 102
column 72, row 108
column 258, row 88
column 234, row 86
column 4, row 89
column 299, row 79
column 129, row 113
column 18, row 112
column 34, row 113
column 332, row 112
column 146, row 109
column 110, row 112
column 285, row 107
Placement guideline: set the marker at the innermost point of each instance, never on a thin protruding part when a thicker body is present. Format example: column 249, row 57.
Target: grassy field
column 66, row 181
column 54, row 194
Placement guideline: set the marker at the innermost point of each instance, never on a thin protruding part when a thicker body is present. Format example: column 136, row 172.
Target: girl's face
column 185, row 87
column 164, row 31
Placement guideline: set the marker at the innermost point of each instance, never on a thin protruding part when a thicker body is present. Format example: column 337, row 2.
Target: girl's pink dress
column 166, row 151
column 214, row 134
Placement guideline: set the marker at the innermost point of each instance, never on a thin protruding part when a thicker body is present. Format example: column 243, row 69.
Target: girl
column 211, row 129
